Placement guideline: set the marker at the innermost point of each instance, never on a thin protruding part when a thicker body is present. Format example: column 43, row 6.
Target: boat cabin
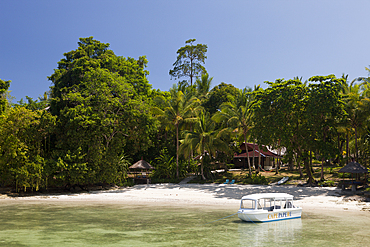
column 267, row 201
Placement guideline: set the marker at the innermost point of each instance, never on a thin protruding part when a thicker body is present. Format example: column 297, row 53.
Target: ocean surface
column 42, row 223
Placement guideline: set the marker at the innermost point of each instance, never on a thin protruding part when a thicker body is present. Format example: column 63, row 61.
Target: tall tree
column 279, row 117
column 176, row 109
column 204, row 139
column 189, row 61
column 356, row 108
column 324, row 108
column 90, row 55
column 217, row 96
column 237, row 116
column 22, row 147
column 101, row 103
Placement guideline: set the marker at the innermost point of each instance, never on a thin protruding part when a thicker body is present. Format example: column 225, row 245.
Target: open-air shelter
column 356, row 170
column 141, row 170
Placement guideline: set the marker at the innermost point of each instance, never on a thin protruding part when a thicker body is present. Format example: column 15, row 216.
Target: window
column 248, row 204
column 289, row 203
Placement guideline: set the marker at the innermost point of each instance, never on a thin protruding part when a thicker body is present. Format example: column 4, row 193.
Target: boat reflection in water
column 274, row 232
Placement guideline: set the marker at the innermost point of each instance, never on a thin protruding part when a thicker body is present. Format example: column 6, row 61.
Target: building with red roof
column 268, row 158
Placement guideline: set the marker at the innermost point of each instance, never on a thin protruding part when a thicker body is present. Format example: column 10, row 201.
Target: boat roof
column 276, row 196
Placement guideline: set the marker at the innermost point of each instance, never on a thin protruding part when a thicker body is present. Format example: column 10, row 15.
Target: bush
column 328, row 183
column 255, row 179
column 344, row 175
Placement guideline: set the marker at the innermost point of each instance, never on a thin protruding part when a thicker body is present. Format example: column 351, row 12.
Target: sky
column 249, row 42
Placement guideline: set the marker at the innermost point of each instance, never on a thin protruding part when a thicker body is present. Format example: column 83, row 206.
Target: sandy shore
column 311, row 199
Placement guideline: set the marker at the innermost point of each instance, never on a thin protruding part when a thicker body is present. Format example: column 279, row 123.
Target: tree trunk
column 259, row 158
column 246, row 149
column 254, row 150
column 177, row 150
column 202, row 163
column 347, row 147
column 356, row 149
column 306, row 164
column 298, row 163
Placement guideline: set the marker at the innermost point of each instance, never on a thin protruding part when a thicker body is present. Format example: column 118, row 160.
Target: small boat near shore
column 266, row 207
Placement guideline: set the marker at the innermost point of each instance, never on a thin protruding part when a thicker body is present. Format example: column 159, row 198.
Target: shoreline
column 222, row 196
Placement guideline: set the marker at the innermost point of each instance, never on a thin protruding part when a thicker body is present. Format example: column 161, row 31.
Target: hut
column 141, row 171
column 254, row 151
column 356, row 171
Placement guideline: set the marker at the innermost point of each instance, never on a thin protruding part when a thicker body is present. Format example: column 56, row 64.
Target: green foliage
column 327, row 183
column 102, row 107
column 219, row 95
column 23, row 137
column 298, row 117
column 39, row 104
column 165, row 165
column 204, row 140
column 4, row 86
column 189, row 61
column 236, row 115
column 344, row 175
column 176, row 110
column 90, row 56
column 255, row 179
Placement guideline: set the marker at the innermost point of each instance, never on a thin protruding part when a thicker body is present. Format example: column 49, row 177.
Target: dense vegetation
column 101, row 115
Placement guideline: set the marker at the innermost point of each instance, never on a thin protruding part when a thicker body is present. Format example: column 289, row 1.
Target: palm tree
column 176, row 110
column 203, row 86
column 237, row 116
column 204, row 139
column 356, row 107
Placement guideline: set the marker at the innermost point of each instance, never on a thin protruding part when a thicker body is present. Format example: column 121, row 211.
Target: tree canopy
column 101, row 114
column 189, row 61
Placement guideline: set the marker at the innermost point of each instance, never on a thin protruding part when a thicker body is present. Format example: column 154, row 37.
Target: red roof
column 264, row 153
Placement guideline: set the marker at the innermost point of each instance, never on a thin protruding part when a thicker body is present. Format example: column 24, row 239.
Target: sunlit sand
column 311, row 199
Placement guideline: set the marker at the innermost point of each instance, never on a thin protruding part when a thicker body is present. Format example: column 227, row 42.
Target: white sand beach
column 311, row 199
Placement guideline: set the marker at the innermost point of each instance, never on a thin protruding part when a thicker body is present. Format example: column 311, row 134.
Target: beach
column 311, row 199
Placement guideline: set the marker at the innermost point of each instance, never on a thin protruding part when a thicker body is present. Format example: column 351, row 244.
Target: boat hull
column 268, row 216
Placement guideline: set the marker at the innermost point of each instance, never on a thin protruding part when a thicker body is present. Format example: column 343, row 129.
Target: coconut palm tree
column 175, row 111
column 204, row 139
column 237, row 116
column 356, row 107
column 203, row 86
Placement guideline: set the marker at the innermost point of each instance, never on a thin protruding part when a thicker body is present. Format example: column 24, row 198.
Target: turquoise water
column 25, row 223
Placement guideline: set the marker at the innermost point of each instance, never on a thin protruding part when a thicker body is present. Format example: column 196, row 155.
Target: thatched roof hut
column 353, row 167
column 142, row 165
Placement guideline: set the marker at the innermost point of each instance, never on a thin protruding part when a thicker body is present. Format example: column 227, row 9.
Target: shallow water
column 25, row 223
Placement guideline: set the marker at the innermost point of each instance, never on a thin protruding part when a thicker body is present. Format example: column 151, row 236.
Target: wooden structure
column 356, row 171
column 141, row 171
column 267, row 157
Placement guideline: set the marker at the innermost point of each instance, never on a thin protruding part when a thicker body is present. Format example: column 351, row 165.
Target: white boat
column 266, row 207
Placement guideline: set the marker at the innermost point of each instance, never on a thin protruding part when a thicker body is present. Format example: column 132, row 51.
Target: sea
column 53, row 223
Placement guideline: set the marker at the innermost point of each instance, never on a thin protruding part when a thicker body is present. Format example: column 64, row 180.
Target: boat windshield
column 248, row 204
column 265, row 203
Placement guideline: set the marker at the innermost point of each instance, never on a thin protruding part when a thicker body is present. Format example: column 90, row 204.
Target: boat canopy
column 276, row 196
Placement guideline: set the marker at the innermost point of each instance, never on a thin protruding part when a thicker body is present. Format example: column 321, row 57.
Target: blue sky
column 249, row 42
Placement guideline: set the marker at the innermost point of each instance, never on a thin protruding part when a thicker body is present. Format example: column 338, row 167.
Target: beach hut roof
column 353, row 167
column 141, row 164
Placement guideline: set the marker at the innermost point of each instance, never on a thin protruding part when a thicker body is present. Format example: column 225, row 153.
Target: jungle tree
column 189, row 61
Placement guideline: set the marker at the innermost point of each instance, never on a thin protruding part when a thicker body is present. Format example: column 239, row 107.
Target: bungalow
column 268, row 158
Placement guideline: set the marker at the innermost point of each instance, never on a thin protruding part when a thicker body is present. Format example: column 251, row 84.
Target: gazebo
column 141, row 171
column 358, row 170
